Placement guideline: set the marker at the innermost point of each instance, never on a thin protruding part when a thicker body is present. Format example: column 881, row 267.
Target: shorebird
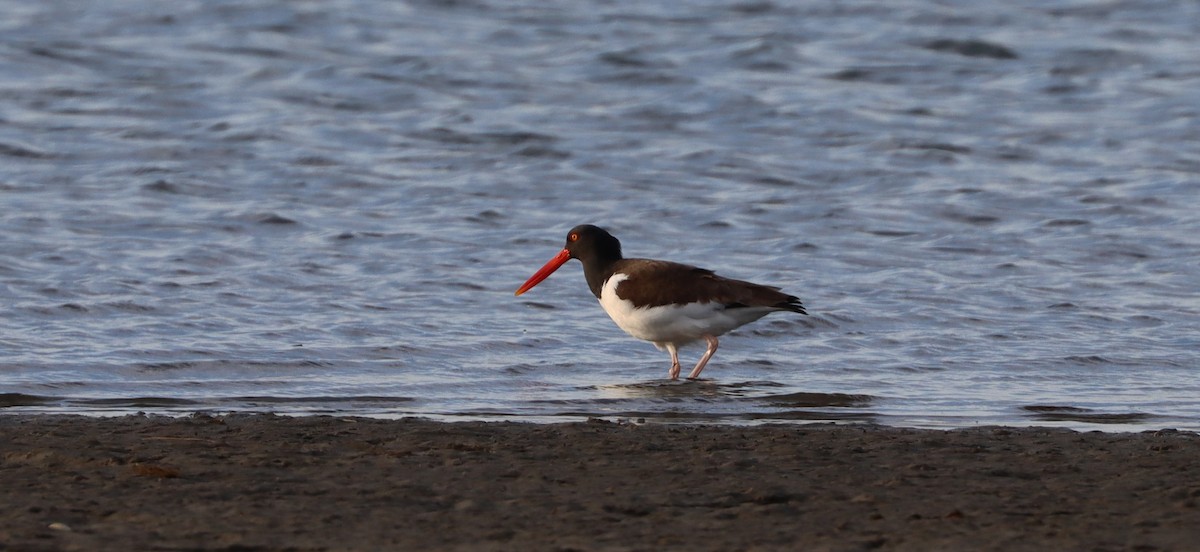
column 668, row 304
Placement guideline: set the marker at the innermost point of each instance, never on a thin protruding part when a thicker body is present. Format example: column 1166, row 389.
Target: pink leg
column 673, row 373
column 712, row 348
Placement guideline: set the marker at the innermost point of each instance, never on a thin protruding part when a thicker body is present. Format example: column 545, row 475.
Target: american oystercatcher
column 668, row 304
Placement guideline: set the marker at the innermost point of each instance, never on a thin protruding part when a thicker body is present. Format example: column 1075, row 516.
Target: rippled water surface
column 990, row 209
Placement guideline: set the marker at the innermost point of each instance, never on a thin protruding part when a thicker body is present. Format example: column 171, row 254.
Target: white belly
column 676, row 324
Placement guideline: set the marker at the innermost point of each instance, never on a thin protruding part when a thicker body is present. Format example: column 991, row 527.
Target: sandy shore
column 261, row 482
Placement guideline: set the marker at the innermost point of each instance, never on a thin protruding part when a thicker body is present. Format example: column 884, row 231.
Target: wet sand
column 262, row 482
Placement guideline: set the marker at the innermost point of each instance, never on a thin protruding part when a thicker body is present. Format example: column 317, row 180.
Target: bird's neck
column 597, row 270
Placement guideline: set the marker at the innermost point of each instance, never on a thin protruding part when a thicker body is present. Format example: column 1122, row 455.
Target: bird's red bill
column 549, row 268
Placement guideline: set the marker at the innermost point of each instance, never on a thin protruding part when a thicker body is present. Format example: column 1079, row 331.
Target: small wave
column 1055, row 413
column 323, row 399
column 134, row 402
column 8, row 400
column 817, row 400
column 971, row 48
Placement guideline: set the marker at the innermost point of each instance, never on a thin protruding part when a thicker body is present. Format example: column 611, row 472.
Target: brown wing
column 653, row 283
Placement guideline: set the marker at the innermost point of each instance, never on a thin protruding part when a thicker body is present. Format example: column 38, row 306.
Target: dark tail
column 792, row 304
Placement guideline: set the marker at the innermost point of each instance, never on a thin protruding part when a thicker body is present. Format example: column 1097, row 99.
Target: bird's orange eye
column 573, row 237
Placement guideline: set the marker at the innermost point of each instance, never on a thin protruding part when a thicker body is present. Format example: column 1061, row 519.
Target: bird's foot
column 673, row 373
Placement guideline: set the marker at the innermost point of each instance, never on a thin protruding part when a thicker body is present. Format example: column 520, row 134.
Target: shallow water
column 324, row 207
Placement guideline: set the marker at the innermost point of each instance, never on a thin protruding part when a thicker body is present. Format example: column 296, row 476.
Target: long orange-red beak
column 558, row 260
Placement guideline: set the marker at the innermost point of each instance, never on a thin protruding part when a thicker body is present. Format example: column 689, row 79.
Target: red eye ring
column 573, row 237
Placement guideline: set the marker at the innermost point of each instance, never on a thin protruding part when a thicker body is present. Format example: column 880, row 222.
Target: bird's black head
column 590, row 243
column 595, row 248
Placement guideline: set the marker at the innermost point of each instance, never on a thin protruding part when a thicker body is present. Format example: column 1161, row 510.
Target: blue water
column 990, row 209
